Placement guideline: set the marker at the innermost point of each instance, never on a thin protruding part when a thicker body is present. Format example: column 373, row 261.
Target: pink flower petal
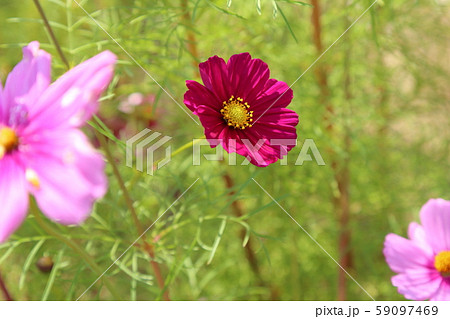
column 435, row 217
column 2, row 107
column 28, row 80
column 402, row 254
column 417, row 234
column 13, row 196
column 70, row 172
column 247, row 76
column 72, row 99
column 443, row 293
column 418, row 284
column 214, row 76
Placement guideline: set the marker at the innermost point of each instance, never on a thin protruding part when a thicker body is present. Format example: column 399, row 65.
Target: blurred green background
column 376, row 105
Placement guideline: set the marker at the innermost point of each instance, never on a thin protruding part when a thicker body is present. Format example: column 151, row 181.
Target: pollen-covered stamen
column 235, row 112
column 32, row 178
column 442, row 263
column 8, row 141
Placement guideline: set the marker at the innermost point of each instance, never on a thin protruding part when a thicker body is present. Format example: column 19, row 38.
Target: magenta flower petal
column 210, row 120
column 257, row 148
column 197, row 95
column 247, row 76
column 435, row 218
column 28, row 80
column 278, row 126
column 242, row 107
column 13, row 197
column 214, row 129
column 70, row 174
column 276, row 94
column 215, row 77
column 418, row 284
column 404, row 254
column 73, row 98
column 443, row 293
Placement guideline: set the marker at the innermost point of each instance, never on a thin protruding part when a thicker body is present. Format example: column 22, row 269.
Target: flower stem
column 249, row 251
column 238, row 212
column 119, row 178
column 147, row 247
column 4, row 289
column 341, row 171
column 75, row 247
column 181, row 149
column 137, row 174
column 51, row 33
column 191, row 42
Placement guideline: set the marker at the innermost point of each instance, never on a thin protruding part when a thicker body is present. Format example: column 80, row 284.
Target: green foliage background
column 393, row 63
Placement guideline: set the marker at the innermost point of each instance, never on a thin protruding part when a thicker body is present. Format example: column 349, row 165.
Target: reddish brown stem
column 320, row 70
column 238, row 212
column 157, row 271
column 345, row 252
column 343, row 181
column 341, row 201
column 191, row 42
column 4, row 289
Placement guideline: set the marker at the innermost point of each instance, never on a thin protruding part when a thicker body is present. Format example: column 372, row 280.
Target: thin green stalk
column 138, row 174
column 181, row 149
column 147, row 247
column 187, row 145
column 51, row 33
column 77, row 249
column 122, row 186
column 69, row 19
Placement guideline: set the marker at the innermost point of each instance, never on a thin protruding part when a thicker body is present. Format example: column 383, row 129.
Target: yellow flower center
column 235, row 112
column 442, row 263
column 8, row 141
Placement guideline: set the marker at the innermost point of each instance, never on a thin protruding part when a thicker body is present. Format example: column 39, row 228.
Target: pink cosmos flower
column 423, row 261
column 132, row 101
column 243, row 109
column 42, row 150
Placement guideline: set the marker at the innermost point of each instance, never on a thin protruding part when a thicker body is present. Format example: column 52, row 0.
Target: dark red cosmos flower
column 243, row 109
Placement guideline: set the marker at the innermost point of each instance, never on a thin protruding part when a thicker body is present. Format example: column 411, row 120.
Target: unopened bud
column 45, row 264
